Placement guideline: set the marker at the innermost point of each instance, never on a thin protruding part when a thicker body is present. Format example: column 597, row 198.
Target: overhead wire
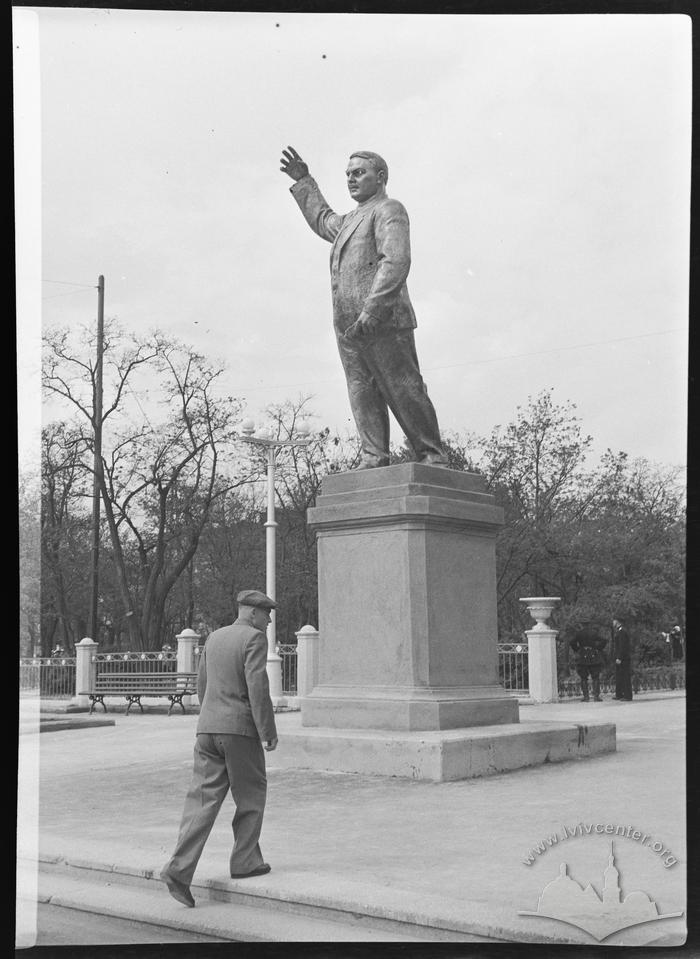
column 490, row 359
column 52, row 296
column 91, row 286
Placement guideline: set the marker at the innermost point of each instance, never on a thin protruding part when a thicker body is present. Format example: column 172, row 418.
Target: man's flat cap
column 253, row 597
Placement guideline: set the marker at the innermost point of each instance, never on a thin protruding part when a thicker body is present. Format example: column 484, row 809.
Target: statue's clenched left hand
column 362, row 327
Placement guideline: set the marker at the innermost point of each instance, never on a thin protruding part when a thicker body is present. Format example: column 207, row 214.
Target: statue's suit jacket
column 370, row 257
column 232, row 684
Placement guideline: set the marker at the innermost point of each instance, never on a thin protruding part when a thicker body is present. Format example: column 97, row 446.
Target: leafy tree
column 607, row 540
column 533, row 466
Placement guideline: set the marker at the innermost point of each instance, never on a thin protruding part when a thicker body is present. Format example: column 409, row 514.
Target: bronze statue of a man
column 372, row 313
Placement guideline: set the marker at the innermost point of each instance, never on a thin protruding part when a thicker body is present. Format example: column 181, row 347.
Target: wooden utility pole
column 97, row 461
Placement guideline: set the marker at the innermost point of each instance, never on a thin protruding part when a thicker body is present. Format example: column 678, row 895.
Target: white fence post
column 84, row 670
column 307, row 660
column 187, row 640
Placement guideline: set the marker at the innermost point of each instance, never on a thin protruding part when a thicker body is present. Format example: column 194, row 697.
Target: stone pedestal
column 407, row 602
column 441, row 755
column 407, row 675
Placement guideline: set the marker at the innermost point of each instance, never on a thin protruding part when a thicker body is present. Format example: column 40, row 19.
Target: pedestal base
column 441, row 755
column 408, row 708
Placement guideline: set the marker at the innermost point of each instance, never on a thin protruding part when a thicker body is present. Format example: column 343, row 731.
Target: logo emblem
column 566, row 900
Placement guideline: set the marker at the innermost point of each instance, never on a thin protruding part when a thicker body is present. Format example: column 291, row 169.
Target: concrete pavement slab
column 466, row 855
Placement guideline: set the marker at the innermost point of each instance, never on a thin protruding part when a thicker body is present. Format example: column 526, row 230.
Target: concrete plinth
column 407, row 681
column 442, row 755
column 407, row 602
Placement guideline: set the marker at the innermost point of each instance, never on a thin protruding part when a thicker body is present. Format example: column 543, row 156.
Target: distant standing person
column 587, row 646
column 236, row 718
column 622, row 653
column 677, row 643
column 372, row 313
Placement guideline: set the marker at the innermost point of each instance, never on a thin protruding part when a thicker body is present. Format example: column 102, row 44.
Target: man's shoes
column 178, row 890
column 430, row 460
column 258, row 871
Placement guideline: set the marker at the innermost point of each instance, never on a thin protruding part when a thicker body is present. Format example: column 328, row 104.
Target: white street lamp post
column 271, row 445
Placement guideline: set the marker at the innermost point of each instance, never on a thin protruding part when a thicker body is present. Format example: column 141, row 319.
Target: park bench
column 132, row 686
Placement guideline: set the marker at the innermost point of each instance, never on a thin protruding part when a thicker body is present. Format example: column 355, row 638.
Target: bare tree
column 64, row 532
column 29, row 564
column 167, row 432
column 299, row 472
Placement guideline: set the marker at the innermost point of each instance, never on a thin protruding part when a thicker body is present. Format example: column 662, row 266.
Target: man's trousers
column 584, row 672
column 382, row 374
column 222, row 762
column 623, row 680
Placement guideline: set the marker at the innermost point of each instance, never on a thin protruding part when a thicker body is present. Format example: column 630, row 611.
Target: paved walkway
column 461, row 854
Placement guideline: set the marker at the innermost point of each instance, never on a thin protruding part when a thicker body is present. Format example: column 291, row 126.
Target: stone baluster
column 187, row 640
column 85, row 669
column 307, row 660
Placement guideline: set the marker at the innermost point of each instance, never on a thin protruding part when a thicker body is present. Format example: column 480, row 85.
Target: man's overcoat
column 232, row 684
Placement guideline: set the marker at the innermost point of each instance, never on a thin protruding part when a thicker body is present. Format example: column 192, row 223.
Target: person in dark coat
column 236, row 721
column 676, row 636
column 587, row 646
column 622, row 653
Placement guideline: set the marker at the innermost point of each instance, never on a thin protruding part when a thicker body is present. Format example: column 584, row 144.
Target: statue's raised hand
column 292, row 164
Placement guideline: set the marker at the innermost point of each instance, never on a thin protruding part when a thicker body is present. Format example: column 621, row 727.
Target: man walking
column 372, row 313
column 236, row 718
column 622, row 652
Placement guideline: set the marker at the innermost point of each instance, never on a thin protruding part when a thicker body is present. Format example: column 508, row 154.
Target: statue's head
column 367, row 174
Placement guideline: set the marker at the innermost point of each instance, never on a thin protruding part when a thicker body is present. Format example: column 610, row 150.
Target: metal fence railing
column 50, row 677
column 150, row 662
column 645, row 679
column 513, row 667
column 288, row 653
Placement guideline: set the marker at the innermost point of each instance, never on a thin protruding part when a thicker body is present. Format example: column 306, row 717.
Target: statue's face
column 363, row 180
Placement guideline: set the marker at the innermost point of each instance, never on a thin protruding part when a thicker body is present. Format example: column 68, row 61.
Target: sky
column 544, row 162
